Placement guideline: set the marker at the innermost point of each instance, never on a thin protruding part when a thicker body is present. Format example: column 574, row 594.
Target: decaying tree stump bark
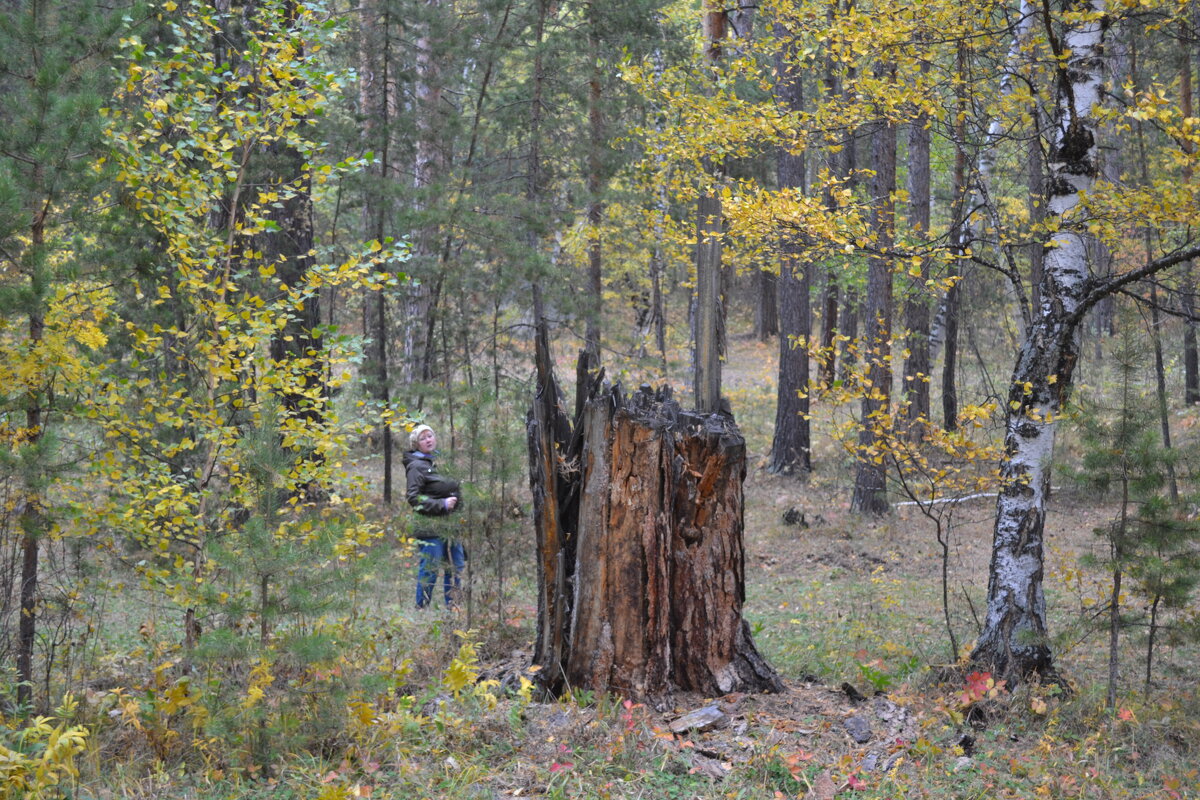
column 638, row 509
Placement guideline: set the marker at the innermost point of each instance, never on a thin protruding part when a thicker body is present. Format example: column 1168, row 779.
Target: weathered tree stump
column 639, row 516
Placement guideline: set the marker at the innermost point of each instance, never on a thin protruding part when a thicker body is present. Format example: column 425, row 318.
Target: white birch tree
column 1014, row 642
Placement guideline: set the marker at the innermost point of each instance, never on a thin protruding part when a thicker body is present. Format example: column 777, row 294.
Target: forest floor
column 849, row 610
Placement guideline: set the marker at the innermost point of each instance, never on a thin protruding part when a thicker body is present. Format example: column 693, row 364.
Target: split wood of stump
column 638, row 511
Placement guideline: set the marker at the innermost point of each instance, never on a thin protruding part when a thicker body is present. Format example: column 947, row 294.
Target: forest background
column 244, row 247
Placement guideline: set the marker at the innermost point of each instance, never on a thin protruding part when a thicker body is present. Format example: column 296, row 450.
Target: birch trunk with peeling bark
column 640, row 548
column 1014, row 642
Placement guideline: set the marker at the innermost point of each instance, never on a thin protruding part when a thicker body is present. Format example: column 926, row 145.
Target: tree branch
column 1116, row 283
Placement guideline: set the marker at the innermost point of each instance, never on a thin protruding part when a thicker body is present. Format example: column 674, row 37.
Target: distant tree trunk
column 661, row 212
column 707, row 352
column 1160, row 372
column 374, row 69
column 1191, row 360
column 848, row 316
column 916, row 304
column 595, row 210
column 835, row 156
column 30, row 520
column 766, row 309
column 950, row 357
column 1014, row 643
column 418, row 322
column 827, row 368
column 1160, row 387
column 791, row 448
column 959, row 235
column 27, row 626
column 870, row 490
column 709, row 316
column 291, row 247
column 644, row 595
column 658, row 303
column 848, row 331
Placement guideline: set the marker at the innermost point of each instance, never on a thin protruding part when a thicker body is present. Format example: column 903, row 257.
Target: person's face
column 427, row 442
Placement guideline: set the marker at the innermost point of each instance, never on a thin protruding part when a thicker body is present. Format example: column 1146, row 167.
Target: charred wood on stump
column 651, row 563
column 553, row 458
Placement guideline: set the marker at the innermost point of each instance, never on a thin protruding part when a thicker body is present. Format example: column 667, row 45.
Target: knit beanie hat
column 416, row 434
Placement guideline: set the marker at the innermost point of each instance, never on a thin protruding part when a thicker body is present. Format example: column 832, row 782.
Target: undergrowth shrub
column 37, row 754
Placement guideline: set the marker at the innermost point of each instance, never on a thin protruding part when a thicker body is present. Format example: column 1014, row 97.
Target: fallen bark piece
column 703, row 719
column 710, row 766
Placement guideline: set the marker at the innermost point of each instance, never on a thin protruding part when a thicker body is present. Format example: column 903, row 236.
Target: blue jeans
column 439, row 555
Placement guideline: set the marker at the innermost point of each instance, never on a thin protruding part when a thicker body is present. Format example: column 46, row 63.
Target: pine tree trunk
column 848, row 332
column 916, row 305
column 848, row 316
column 419, row 314
column 707, row 353
column 708, row 321
column 828, row 306
column 958, row 243
column 31, row 519
column 827, row 368
column 595, row 210
column 641, row 563
column 291, row 247
column 1191, row 359
column 766, row 309
column 870, row 490
column 950, row 356
column 791, row 448
column 373, row 77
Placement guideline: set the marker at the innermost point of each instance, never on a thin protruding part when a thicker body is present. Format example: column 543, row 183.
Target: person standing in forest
column 434, row 497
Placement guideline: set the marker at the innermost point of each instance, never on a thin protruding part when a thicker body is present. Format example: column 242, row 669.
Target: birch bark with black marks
column 1014, row 642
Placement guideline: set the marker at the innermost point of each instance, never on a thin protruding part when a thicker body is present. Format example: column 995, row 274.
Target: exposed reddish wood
column 658, row 563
